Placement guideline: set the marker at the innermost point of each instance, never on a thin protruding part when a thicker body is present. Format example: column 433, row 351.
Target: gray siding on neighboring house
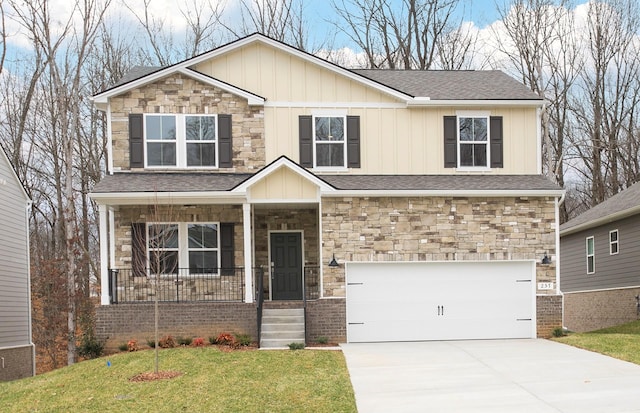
column 611, row 271
column 14, row 261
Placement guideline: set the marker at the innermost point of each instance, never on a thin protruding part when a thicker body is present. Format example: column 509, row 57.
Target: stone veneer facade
column 178, row 94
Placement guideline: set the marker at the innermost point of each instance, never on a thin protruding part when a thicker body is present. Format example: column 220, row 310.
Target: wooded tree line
column 584, row 61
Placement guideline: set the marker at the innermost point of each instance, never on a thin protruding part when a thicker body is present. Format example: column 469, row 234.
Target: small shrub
column 296, row 346
column 90, row 347
column 123, row 347
column 198, row 342
column 167, row 342
column 184, row 341
column 243, row 339
column 213, row 340
column 132, row 345
column 322, row 340
column 225, row 339
column 151, row 343
column 559, row 332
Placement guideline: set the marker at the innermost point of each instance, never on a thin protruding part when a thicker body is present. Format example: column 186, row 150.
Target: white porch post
column 104, row 255
column 248, row 253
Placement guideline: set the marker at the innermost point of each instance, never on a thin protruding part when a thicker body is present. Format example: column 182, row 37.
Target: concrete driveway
column 489, row 376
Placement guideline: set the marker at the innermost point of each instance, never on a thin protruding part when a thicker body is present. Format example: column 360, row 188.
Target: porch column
column 248, row 258
column 104, row 255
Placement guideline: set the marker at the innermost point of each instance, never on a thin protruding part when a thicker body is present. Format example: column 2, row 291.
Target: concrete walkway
column 489, row 376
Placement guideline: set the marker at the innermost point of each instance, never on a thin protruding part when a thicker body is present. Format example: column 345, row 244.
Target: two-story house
column 17, row 351
column 385, row 205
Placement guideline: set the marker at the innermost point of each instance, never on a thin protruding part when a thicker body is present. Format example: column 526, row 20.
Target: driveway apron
column 489, row 376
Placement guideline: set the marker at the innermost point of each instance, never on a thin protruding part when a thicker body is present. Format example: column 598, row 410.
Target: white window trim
column 616, row 242
column 180, row 142
column 473, row 114
column 329, row 114
column 592, row 255
column 183, row 248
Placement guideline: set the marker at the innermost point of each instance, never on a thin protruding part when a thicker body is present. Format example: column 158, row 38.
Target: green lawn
column 621, row 342
column 213, row 381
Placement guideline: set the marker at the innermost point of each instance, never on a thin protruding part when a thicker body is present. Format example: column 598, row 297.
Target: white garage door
column 440, row 301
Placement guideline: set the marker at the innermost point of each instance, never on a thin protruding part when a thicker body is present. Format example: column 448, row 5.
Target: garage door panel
column 439, row 301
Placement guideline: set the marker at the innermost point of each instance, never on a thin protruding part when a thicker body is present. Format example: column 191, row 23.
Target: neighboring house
column 17, row 352
column 600, row 256
column 391, row 205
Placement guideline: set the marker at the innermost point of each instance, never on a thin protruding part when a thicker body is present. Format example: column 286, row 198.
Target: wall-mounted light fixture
column 546, row 259
column 333, row 263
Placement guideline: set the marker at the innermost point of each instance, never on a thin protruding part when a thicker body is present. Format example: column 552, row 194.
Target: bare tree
column 404, row 34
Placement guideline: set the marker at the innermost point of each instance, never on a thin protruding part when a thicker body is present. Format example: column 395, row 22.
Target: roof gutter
column 426, row 102
column 150, row 198
column 444, row 193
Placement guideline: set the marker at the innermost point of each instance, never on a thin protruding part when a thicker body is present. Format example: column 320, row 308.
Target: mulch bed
column 161, row 375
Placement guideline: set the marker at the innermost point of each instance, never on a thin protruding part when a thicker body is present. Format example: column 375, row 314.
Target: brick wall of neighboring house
column 17, row 363
column 117, row 324
column 593, row 310
column 549, row 314
column 179, row 94
column 439, row 229
column 327, row 318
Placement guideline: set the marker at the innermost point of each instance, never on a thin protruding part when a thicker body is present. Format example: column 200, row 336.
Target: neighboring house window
column 330, row 141
column 614, row 243
column 591, row 258
column 180, row 141
column 473, row 140
column 172, row 246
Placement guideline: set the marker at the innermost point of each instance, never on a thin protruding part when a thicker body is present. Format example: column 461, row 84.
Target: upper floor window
column 473, row 140
column 329, row 141
column 181, row 140
column 591, row 257
column 614, row 243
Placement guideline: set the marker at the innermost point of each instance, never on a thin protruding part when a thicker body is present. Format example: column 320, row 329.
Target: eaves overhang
column 151, row 198
column 442, row 193
column 601, row 221
column 426, row 102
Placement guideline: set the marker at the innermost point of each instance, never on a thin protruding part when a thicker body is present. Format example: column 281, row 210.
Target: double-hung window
column 591, row 257
column 175, row 246
column 330, row 144
column 473, row 141
column 614, row 242
column 181, row 140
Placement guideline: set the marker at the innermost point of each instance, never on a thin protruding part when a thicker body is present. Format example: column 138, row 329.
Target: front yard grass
column 212, row 381
column 621, row 342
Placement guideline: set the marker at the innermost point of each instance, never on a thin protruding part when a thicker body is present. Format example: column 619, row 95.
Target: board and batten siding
column 611, row 271
column 14, row 260
column 395, row 139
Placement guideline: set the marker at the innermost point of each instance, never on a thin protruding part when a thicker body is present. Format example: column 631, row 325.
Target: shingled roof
column 623, row 204
column 452, row 85
column 211, row 182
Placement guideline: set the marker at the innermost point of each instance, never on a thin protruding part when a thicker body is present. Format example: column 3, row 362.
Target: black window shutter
column 495, row 132
column 450, row 142
column 136, row 141
column 353, row 141
column 305, row 126
column 227, row 256
column 225, row 141
column 138, row 249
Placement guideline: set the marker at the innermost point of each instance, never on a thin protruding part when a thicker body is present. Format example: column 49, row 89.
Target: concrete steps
column 281, row 327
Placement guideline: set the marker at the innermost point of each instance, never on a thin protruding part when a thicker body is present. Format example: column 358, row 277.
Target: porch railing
column 259, row 284
column 311, row 283
column 216, row 284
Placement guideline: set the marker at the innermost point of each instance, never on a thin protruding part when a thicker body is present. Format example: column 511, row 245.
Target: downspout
column 559, row 201
column 27, row 210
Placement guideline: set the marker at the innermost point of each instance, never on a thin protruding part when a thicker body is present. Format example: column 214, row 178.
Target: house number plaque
column 545, row 286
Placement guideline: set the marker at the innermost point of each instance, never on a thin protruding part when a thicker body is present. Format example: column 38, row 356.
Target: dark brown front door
column 286, row 258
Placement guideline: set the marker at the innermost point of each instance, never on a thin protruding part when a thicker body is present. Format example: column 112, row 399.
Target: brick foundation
column 588, row 311
column 327, row 318
column 17, row 361
column 549, row 314
column 117, row 324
